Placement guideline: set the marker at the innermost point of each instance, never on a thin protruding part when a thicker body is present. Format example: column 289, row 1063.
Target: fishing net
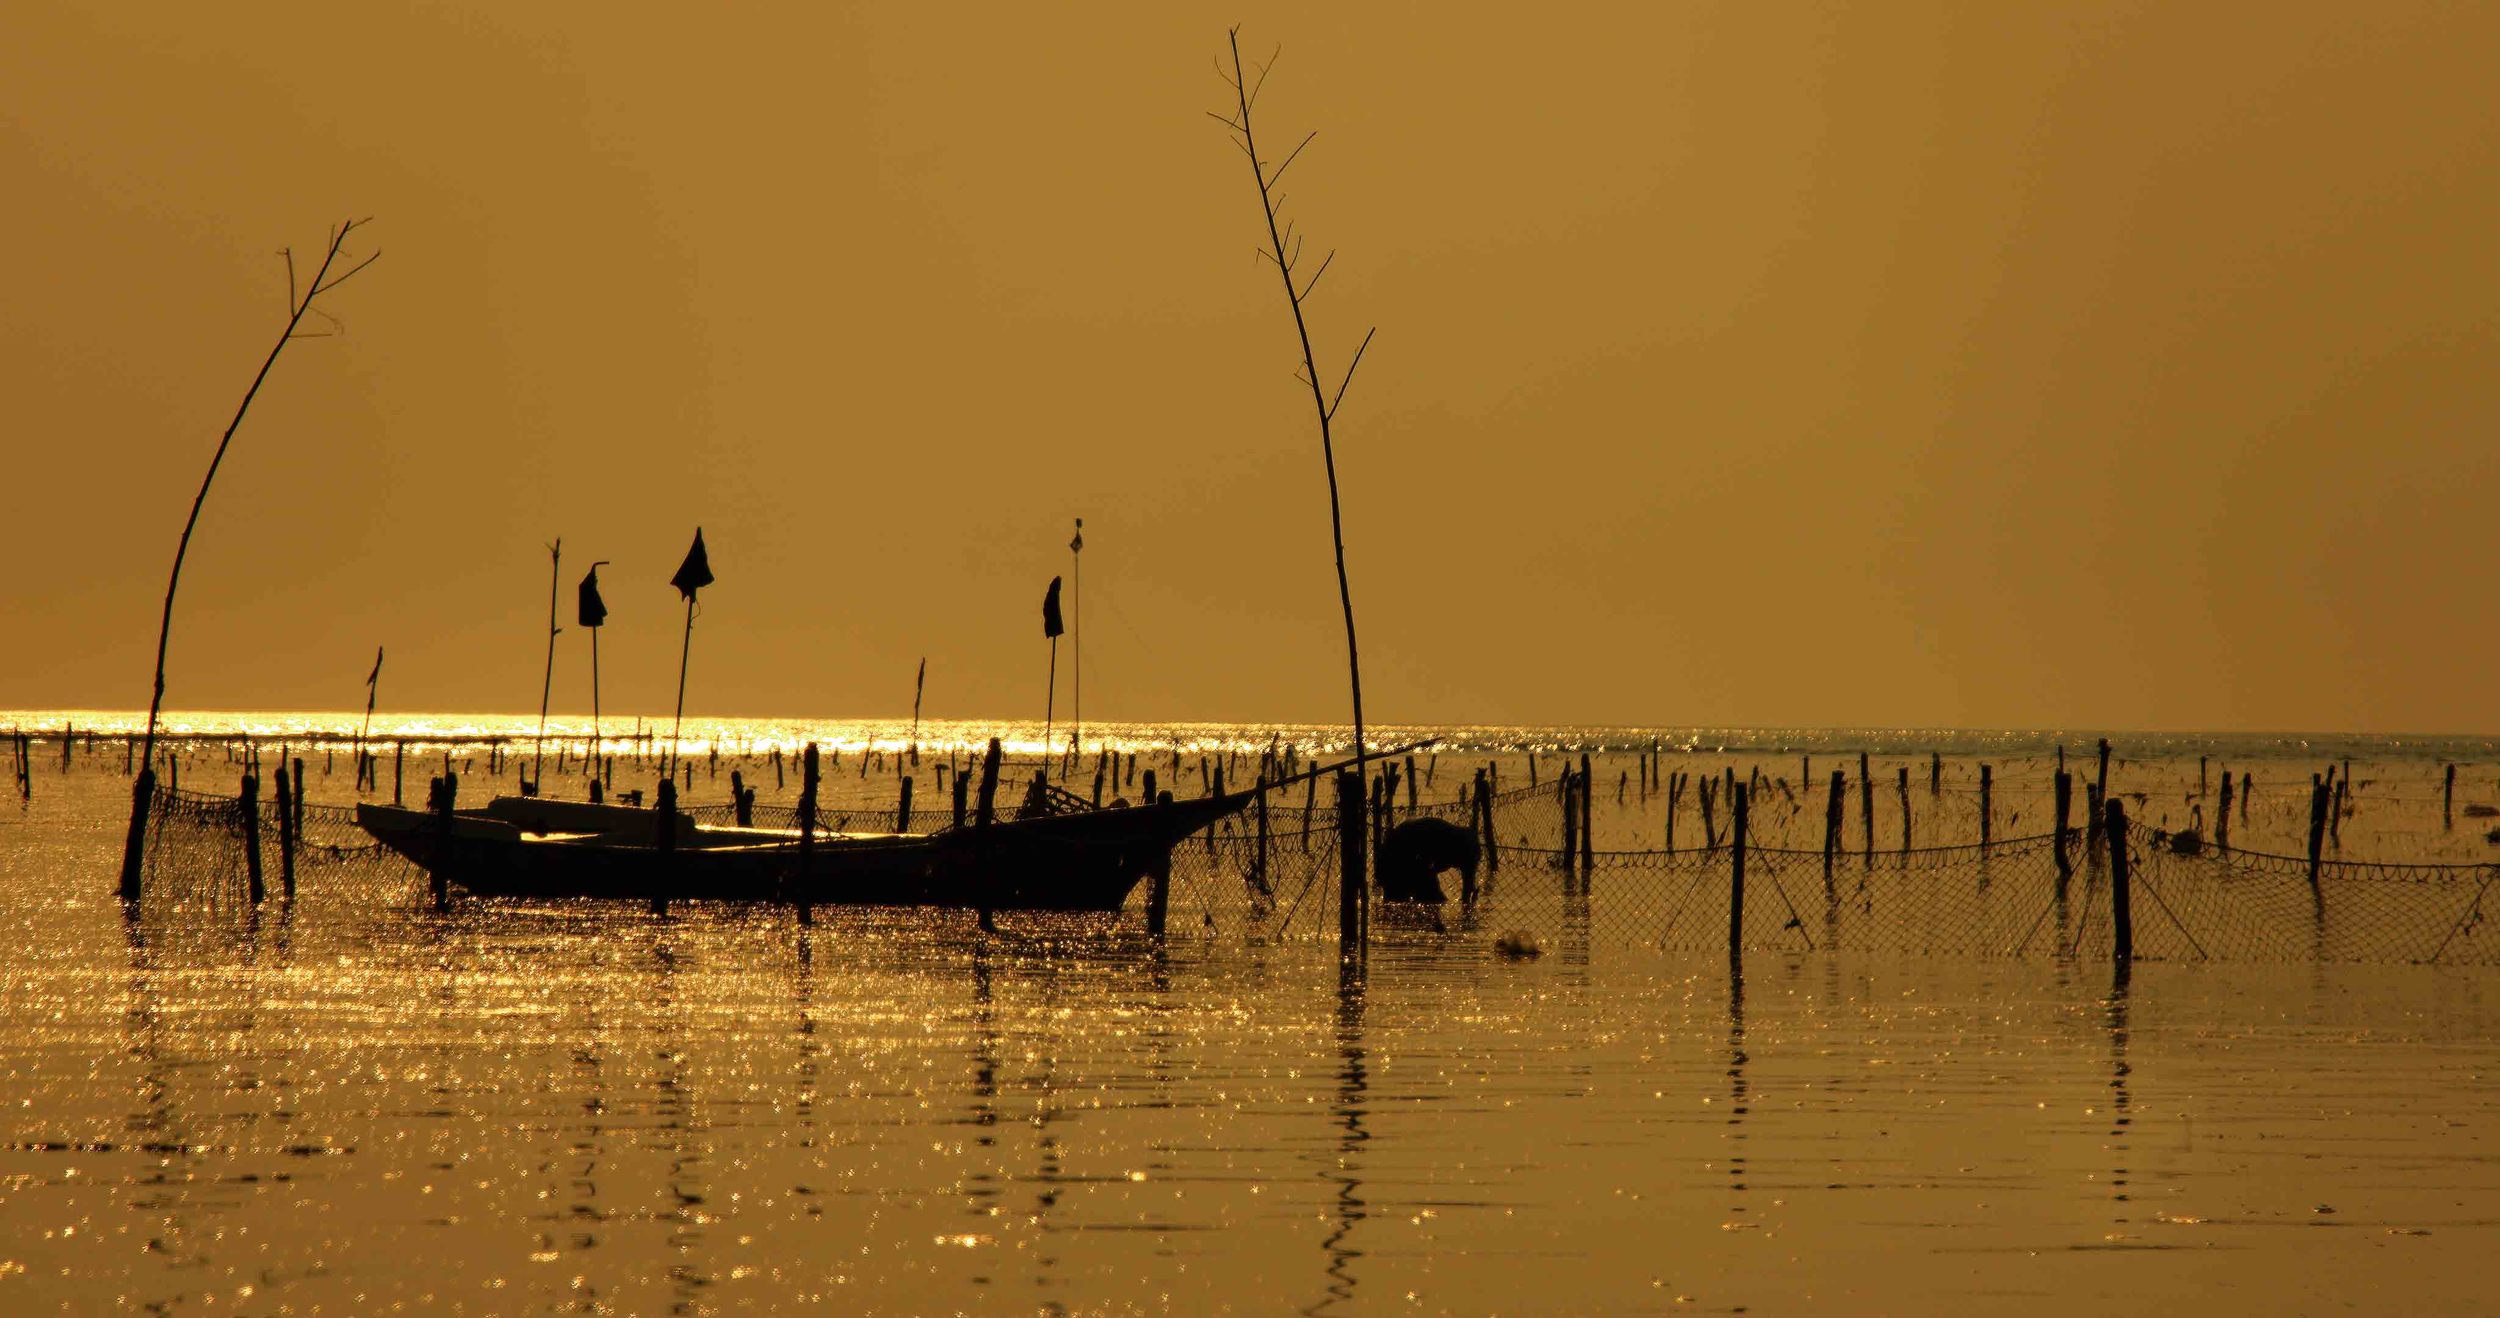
column 201, row 847
column 1271, row 872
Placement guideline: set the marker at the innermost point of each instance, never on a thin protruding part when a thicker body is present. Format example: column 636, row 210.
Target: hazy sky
column 1899, row 364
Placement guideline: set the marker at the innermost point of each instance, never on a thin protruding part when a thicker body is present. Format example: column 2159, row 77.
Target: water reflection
column 1738, row 1105
column 2121, row 1101
column 1350, row 1112
column 559, row 1108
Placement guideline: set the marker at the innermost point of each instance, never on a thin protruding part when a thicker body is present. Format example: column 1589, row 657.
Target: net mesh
column 1272, row 873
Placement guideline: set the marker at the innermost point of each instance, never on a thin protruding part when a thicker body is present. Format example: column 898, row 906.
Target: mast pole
column 555, row 571
column 373, row 689
column 684, row 651
column 1076, row 642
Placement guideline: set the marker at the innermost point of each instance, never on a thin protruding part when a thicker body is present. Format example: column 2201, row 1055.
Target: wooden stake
column 251, row 835
column 286, row 834
column 2065, row 803
column 1903, row 784
column 1736, row 876
column 2121, row 910
column 1353, row 888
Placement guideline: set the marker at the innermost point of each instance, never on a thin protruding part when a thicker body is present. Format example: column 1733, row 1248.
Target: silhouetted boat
column 1051, row 859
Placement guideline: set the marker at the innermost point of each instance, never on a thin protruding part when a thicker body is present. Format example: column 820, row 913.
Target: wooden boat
column 1062, row 855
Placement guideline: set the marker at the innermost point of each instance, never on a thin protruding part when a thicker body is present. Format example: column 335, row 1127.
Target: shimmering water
column 352, row 1106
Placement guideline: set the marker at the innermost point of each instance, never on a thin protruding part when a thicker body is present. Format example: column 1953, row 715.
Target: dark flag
column 594, row 610
column 374, row 678
column 696, row 572
column 1050, row 611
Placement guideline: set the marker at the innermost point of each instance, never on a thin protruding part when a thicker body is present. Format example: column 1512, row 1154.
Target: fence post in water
column 1987, row 804
column 2317, row 825
column 1935, row 773
column 2447, row 798
column 902, row 808
column 1570, row 821
column 2121, row 913
column 1737, row 813
column 1904, row 785
column 2065, row 803
column 1258, row 857
column 286, row 832
column 809, row 776
column 2100, row 781
column 1588, row 824
column 399, row 767
column 249, row 802
column 1831, row 825
column 737, row 795
column 1353, row 890
column 135, row 843
column 1480, row 818
column 2335, row 813
column 2222, row 820
column 446, row 799
column 1866, row 803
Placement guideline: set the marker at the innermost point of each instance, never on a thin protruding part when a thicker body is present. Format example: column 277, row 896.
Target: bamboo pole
column 134, row 843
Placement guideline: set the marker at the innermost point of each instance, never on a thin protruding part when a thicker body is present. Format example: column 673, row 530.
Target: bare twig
column 1296, row 154
column 1349, row 368
column 1314, row 282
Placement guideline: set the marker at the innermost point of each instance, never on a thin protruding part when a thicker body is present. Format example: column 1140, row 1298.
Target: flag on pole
column 696, row 572
column 593, row 610
column 1051, row 627
column 1077, row 545
column 374, row 678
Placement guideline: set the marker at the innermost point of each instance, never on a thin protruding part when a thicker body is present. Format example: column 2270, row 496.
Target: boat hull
column 1076, row 862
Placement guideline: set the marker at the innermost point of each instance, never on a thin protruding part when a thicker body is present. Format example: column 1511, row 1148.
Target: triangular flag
column 1050, row 611
column 375, row 676
column 696, row 572
column 593, row 610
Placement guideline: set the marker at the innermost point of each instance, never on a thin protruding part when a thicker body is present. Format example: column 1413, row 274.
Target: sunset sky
column 2125, row 365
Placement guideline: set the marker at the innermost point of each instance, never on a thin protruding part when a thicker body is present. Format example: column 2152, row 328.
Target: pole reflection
column 2121, row 1100
column 1349, row 1114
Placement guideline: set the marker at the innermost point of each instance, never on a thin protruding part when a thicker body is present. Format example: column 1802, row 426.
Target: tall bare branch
column 134, row 847
column 1284, row 252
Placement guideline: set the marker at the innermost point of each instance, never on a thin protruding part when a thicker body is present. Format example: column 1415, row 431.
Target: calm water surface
column 350, row 1106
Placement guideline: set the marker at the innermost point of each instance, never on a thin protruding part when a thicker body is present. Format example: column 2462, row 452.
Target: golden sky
column 1906, row 364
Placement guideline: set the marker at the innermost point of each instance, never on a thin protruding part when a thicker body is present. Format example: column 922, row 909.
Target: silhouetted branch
column 1261, row 84
column 1305, row 295
column 351, row 274
column 320, row 283
column 1285, row 249
column 1289, row 159
column 1359, row 350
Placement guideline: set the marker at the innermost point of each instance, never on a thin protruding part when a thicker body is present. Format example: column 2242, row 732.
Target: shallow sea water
column 351, row 1106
